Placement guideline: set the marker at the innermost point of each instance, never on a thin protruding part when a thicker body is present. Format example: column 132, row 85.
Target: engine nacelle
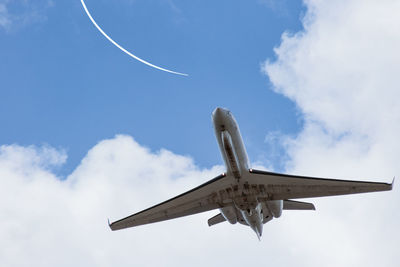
column 266, row 213
column 275, row 206
column 229, row 214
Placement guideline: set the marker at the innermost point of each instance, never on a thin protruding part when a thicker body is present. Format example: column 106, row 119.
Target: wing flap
column 283, row 186
column 200, row 199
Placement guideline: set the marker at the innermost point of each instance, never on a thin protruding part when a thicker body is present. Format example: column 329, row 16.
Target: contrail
column 123, row 49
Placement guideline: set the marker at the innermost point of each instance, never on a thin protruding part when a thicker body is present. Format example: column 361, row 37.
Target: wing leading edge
column 199, row 199
column 282, row 186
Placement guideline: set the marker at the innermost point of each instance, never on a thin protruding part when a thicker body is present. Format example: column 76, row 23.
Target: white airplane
column 248, row 196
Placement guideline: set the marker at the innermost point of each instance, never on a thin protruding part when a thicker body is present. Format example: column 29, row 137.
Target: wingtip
column 109, row 224
column 391, row 185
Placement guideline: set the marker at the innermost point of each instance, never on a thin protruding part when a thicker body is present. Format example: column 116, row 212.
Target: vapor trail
column 123, row 49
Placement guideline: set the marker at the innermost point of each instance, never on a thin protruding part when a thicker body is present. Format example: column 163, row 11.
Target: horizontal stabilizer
column 297, row 205
column 216, row 219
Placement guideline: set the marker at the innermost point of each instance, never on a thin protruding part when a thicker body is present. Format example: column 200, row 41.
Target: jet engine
column 275, row 206
column 229, row 214
column 266, row 213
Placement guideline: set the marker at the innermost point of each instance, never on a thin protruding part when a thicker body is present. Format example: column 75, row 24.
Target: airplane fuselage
column 230, row 142
column 245, row 210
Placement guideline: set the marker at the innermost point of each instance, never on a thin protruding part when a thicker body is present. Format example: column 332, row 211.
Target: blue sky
column 65, row 85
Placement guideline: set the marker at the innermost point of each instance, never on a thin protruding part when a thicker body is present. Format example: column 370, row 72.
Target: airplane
column 244, row 195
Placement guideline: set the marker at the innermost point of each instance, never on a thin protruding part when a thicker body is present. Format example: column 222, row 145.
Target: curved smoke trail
column 123, row 49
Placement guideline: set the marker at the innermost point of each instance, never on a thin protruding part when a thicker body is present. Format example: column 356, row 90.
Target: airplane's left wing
column 283, row 186
column 200, row 199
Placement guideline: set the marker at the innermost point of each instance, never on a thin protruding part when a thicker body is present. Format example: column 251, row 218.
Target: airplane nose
column 218, row 113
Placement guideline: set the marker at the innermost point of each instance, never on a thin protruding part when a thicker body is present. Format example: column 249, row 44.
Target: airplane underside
column 243, row 195
column 250, row 207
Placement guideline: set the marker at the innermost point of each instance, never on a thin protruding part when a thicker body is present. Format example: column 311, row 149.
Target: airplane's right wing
column 200, row 199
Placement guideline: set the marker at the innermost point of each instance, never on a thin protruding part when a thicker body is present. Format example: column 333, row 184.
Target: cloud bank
column 49, row 221
column 342, row 72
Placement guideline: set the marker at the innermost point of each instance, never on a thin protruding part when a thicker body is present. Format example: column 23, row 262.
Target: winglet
column 391, row 185
column 109, row 224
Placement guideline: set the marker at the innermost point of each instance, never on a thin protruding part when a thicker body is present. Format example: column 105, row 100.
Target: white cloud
column 279, row 7
column 4, row 17
column 54, row 222
column 15, row 14
column 342, row 72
